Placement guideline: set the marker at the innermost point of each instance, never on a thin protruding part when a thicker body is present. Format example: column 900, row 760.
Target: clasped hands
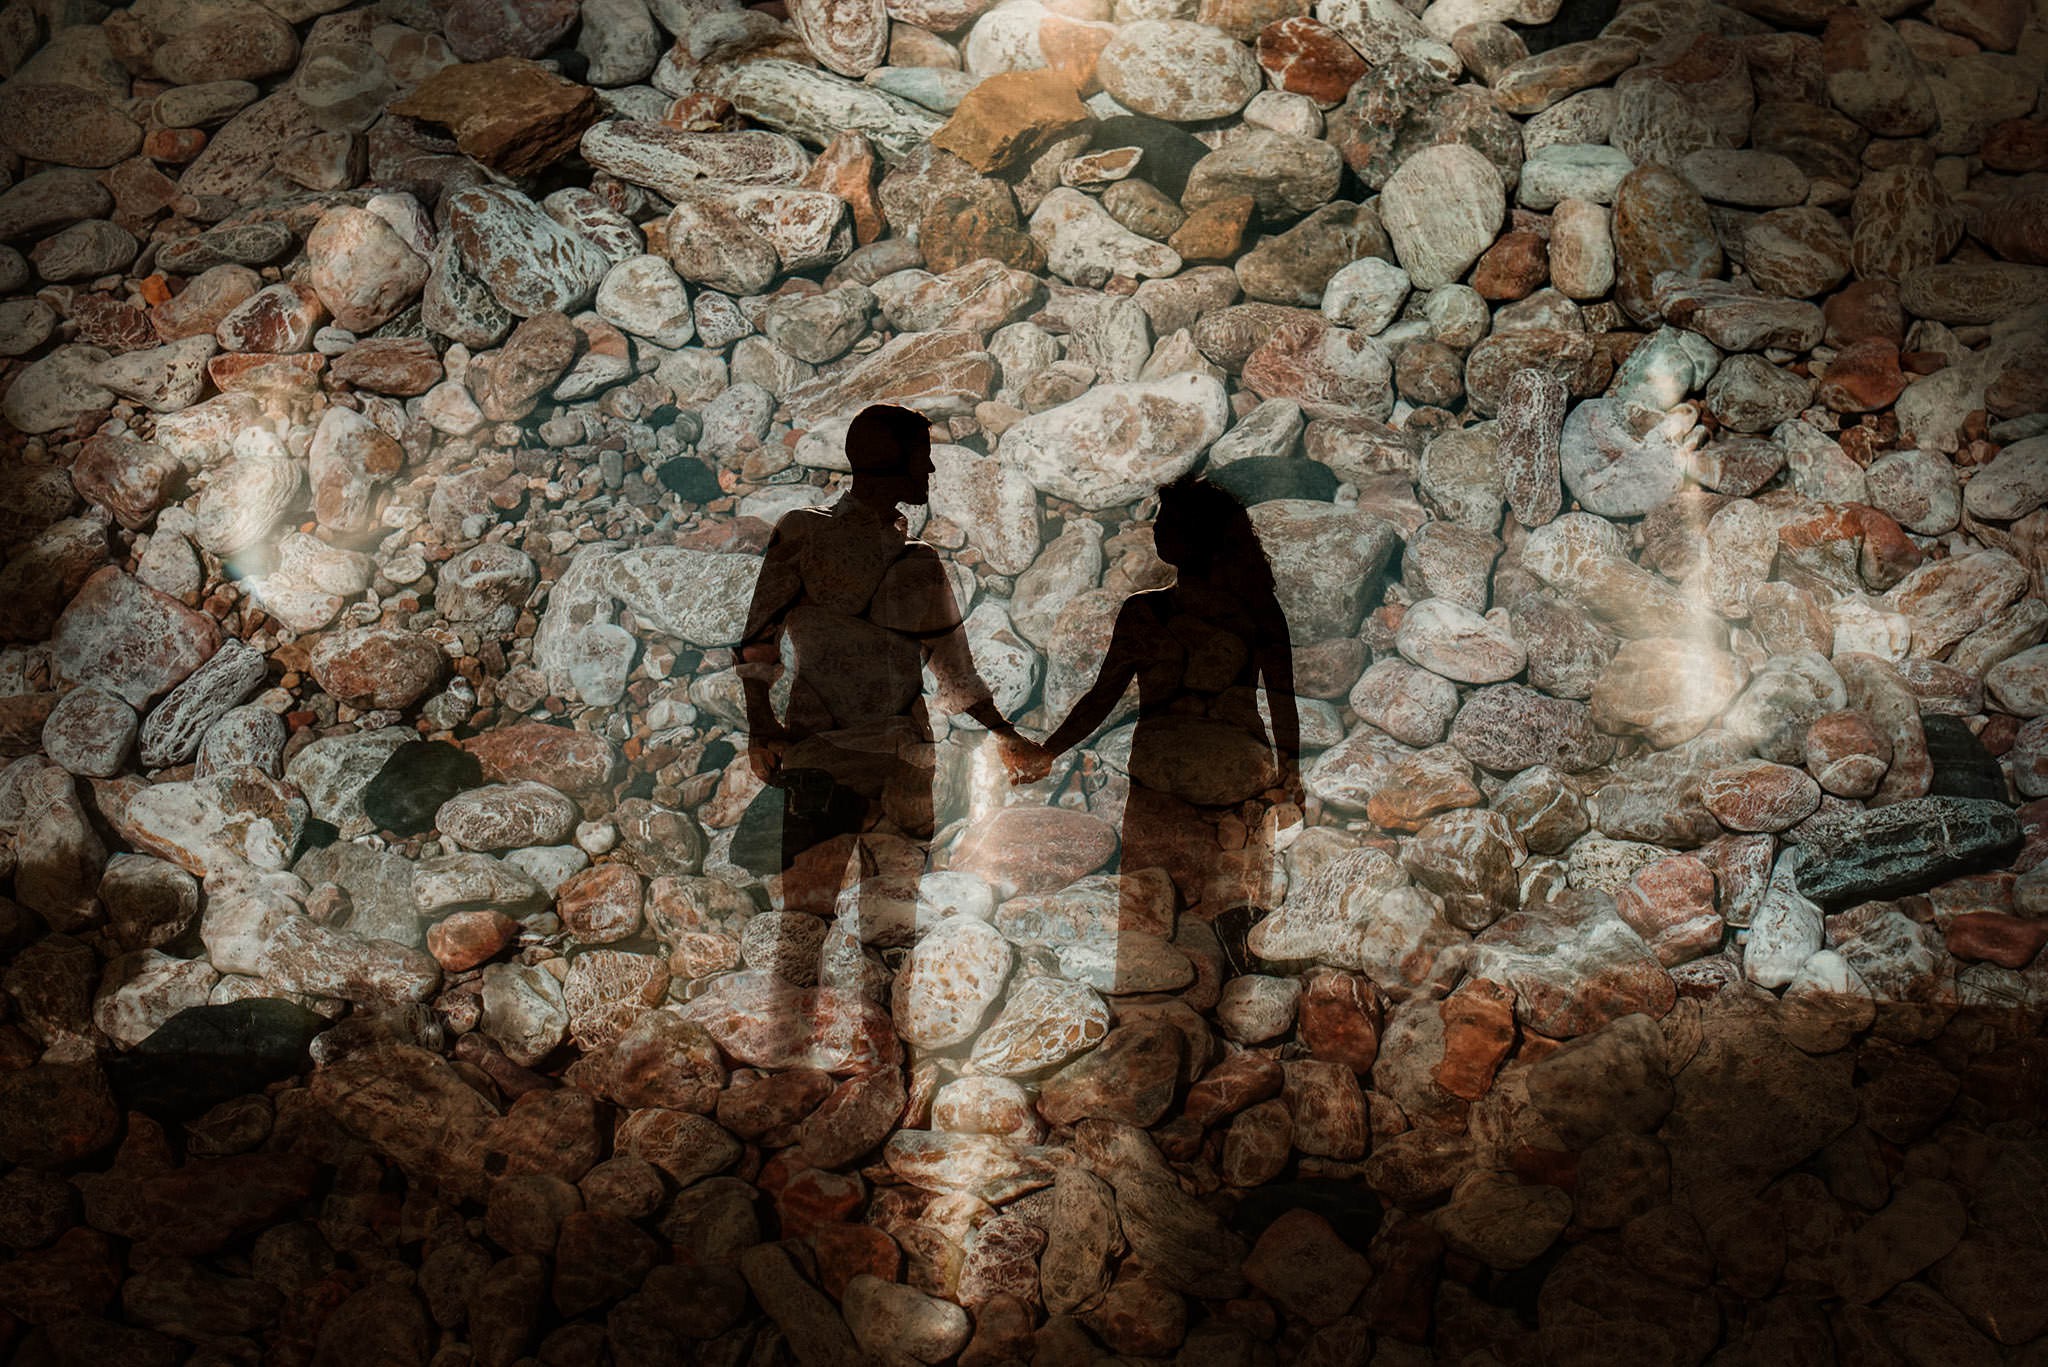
column 1024, row 759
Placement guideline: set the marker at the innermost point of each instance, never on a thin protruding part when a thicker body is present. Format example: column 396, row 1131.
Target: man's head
column 890, row 449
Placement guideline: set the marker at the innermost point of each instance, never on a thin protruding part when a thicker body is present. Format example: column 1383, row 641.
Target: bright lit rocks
column 1044, row 1022
column 952, row 978
column 1442, row 209
column 1110, row 445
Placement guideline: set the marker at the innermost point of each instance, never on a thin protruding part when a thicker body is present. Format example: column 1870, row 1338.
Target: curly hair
column 1204, row 526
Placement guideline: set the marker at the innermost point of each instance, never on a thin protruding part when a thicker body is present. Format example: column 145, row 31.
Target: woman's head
column 1201, row 528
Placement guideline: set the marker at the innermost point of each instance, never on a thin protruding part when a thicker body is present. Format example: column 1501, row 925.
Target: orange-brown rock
column 233, row 370
column 1995, row 937
column 1888, row 554
column 1479, row 1029
column 1215, row 231
column 1862, row 378
column 1513, row 267
column 1307, row 57
column 969, row 223
column 1011, row 119
column 1072, row 47
column 510, row 114
column 1244, row 20
column 848, row 168
column 173, row 146
column 402, row 366
column 468, row 938
column 1339, row 1017
column 1865, row 311
column 2016, row 145
column 559, row 756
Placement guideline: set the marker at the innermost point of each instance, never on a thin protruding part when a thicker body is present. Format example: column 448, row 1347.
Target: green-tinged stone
column 1903, row 848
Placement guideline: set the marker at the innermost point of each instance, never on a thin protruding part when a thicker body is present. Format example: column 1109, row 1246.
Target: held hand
column 1025, row 760
column 764, row 757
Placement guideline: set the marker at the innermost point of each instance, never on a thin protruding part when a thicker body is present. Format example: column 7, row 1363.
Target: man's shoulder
column 798, row 523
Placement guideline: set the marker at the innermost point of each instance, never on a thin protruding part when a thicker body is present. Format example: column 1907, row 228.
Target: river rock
column 1173, row 69
column 1117, row 442
column 1441, row 209
column 1902, row 848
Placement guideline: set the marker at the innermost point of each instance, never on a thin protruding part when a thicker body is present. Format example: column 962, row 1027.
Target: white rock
column 1441, row 209
column 1366, row 295
column 1118, row 442
column 643, row 295
column 1458, row 643
column 698, row 596
column 1083, row 244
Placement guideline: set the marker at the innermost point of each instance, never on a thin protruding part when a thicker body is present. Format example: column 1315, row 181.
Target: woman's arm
column 1119, row 667
column 1275, row 655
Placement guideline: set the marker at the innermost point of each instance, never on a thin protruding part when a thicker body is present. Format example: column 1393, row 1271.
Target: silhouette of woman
column 1199, row 649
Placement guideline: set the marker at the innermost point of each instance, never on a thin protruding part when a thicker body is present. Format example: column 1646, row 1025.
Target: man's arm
column 943, row 638
column 760, row 650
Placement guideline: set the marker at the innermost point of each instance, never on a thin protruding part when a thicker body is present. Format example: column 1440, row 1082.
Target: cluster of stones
column 1649, row 434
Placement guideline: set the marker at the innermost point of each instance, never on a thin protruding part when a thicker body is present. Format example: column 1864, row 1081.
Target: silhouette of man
column 853, row 609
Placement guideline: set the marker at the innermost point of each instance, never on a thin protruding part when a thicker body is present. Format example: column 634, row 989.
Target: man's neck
column 874, row 505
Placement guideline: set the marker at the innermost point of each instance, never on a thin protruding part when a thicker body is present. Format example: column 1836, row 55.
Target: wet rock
column 1670, row 903
column 1130, row 1078
column 1902, row 848
column 1302, row 1263
column 377, row 666
column 129, row 639
column 1660, row 224
column 528, row 262
column 505, row 816
column 67, row 125
column 361, row 268
column 1501, row 1222
column 57, row 390
column 1756, row 795
column 1117, row 441
column 1324, row 562
column 1284, row 174
column 1185, row 1245
column 1665, row 689
column 1873, row 77
column 415, row 780
column 1512, row 727
column 510, row 113
column 1598, row 971
column 1306, row 57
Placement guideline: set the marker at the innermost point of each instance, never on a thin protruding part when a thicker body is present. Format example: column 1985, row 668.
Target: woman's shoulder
column 1145, row 607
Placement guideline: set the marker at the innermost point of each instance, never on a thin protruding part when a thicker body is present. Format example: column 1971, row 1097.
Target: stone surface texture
column 1625, row 946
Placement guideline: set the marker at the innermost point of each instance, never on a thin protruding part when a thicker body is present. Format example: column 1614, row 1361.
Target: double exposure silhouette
column 1199, row 650
column 853, row 609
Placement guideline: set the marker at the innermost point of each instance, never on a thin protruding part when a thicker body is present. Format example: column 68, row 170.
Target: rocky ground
column 1645, row 421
